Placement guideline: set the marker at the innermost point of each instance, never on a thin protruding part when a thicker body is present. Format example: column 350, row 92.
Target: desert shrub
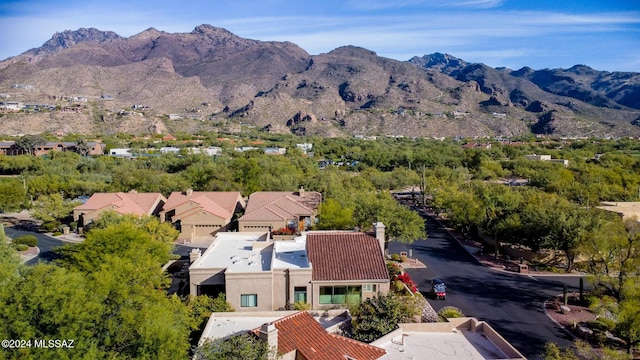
column 393, row 268
column 301, row 305
column 28, row 240
column 398, row 285
column 449, row 312
column 592, row 301
column 608, row 323
column 597, row 326
column 51, row 226
column 20, row 247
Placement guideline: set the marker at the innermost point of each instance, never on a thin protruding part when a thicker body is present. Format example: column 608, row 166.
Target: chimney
column 269, row 333
column 301, row 191
column 194, row 255
column 379, row 231
column 189, row 192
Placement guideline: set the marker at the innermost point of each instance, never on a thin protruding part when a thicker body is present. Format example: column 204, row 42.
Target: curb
column 26, row 258
column 544, row 308
column 492, row 267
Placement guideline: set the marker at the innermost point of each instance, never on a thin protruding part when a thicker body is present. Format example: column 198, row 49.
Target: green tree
column 401, row 223
column 28, row 143
column 333, row 216
column 145, row 242
column 381, row 314
column 239, row 347
column 12, row 194
column 51, row 208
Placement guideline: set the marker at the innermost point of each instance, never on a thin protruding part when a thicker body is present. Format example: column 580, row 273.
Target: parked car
column 438, row 289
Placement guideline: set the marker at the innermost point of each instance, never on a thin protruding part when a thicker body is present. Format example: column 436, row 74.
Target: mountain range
column 210, row 79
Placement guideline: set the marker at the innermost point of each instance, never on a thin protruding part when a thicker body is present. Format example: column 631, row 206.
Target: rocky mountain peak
column 150, row 33
column 68, row 38
column 212, row 31
column 444, row 63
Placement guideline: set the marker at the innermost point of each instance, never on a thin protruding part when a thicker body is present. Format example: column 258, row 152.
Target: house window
column 369, row 288
column 249, row 300
column 300, row 294
column 340, row 294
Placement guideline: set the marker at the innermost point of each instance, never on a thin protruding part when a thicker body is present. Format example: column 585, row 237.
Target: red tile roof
column 302, row 333
column 280, row 205
column 219, row 203
column 346, row 256
column 124, row 203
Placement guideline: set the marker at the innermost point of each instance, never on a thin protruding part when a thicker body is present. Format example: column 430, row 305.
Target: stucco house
column 132, row 203
column 326, row 269
column 201, row 213
column 272, row 210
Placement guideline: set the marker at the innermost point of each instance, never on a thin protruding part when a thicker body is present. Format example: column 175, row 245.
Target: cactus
column 581, row 290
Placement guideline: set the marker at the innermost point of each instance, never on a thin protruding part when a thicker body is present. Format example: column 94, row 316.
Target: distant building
column 305, row 147
column 625, row 209
column 275, row 151
column 535, row 157
column 120, row 152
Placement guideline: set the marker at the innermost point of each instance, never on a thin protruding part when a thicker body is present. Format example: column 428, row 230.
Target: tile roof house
column 132, row 203
column 92, row 148
column 325, row 269
column 300, row 336
column 201, row 213
column 268, row 210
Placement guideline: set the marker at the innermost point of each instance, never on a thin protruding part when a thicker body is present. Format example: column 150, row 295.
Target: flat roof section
column 223, row 325
column 237, row 252
column 291, row 254
column 460, row 339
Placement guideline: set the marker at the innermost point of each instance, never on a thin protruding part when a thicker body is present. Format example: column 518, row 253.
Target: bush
column 28, row 240
column 592, row 301
column 21, row 247
column 403, row 258
column 449, row 312
column 73, row 226
column 597, row 326
column 393, row 268
column 395, row 257
column 608, row 323
column 51, row 226
column 57, row 233
column 301, row 305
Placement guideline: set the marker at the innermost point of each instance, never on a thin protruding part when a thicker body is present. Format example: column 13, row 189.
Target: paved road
column 510, row 303
column 46, row 244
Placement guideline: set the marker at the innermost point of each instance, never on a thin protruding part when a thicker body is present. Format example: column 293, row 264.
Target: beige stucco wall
column 259, row 283
column 199, row 224
column 205, row 277
column 297, row 278
column 90, row 215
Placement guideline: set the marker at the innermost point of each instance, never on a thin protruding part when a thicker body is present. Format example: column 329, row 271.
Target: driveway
column 509, row 302
column 46, row 244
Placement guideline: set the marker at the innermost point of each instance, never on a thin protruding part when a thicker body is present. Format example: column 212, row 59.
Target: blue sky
column 604, row 34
